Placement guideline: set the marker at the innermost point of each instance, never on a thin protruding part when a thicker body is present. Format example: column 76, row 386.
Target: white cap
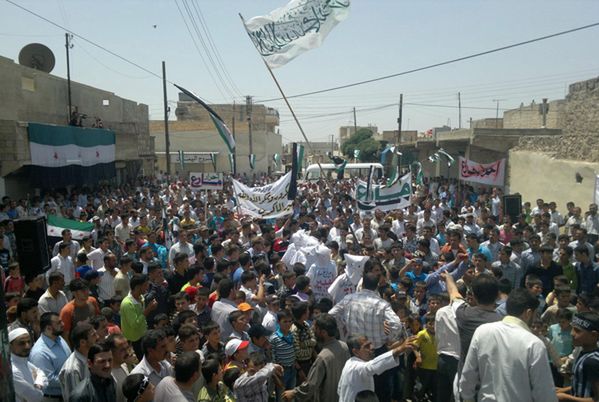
column 15, row 333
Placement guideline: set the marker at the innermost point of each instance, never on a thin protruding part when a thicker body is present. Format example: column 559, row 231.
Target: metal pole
column 167, row 143
column 355, row 122
column 459, row 110
column 235, row 150
column 399, row 121
column 68, row 46
column 248, row 110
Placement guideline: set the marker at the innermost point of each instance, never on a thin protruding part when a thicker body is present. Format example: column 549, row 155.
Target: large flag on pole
column 220, row 125
column 291, row 30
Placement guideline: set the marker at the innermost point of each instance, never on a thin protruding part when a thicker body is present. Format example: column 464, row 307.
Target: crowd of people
column 177, row 295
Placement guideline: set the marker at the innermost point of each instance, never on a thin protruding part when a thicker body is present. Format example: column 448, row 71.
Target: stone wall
column 530, row 116
column 539, row 175
column 580, row 121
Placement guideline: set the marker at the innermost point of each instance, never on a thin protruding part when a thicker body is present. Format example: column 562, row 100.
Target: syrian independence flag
column 213, row 160
column 356, row 153
column 60, row 146
column 291, row 30
column 252, row 161
column 79, row 230
column 220, row 125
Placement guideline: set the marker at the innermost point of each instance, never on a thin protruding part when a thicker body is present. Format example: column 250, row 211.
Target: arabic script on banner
column 205, row 181
column 385, row 198
column 266, row 202
column 492, row 174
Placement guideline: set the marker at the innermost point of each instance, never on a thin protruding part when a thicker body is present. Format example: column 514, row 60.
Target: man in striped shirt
column 585, row 380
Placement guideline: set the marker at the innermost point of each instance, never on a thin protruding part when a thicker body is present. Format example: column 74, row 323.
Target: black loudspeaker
column 512, row 206
column 32, row 245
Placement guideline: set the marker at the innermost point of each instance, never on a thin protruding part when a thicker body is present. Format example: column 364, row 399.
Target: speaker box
column 32, row 245
column 512, row 206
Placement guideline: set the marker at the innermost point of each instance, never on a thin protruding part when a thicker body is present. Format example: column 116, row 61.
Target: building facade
column 204, row 150
column 30, row 95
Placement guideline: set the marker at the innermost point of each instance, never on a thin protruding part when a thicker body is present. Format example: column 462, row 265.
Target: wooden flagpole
column 288, row 106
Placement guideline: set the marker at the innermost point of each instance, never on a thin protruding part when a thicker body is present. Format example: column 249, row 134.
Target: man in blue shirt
column 50, row 352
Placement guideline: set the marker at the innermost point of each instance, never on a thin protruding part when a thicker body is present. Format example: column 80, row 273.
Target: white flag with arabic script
column 291, row 30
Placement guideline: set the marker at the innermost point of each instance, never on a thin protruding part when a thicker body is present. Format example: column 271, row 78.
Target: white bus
column 351, row 170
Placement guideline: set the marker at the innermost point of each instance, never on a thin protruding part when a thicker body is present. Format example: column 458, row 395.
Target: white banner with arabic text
column 396, row 196
column 291, row 30
column 205, row 181
column 265, row 202
column 491, row 174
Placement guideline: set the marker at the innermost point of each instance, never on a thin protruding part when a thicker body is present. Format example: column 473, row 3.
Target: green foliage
column 362, row 140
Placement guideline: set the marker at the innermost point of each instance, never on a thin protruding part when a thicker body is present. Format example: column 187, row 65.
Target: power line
column 495, row 50
column 214, row 48
column 193, row 39
column 118, row 56
column 208, row 54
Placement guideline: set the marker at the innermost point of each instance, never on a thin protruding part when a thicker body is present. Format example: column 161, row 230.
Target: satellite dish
column 37, row 56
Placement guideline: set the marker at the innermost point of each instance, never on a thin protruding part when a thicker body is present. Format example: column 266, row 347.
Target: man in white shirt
column 54, row 299
column 182, row 246
column 96, row 257
column 506, row 361
column 28, row 380
column 67, row 239
column 358, row 372
column 62, row 263
column 122, row 231
column 108, row 273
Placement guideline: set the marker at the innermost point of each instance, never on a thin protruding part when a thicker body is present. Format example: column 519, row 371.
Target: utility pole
column 497, row 112
column 399, row 117
column 68, row 47
column 355, row 121
column 459, row 110
column 332, row 144
column 248, row 110
column 234, row 167
column 167, row 142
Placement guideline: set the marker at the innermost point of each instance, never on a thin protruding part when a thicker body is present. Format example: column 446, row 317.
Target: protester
column 241, row 292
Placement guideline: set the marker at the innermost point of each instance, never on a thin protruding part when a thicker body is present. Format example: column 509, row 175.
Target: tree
column 363, row 141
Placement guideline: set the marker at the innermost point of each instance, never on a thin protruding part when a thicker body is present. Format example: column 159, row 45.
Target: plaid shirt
column 253, row 388
column 364, row 313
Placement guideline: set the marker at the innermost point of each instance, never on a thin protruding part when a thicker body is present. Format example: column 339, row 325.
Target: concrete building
column 317, row 153
column 346, row 131
column 195, row 134
column 30, row 95
column 541, row 162
column 391, row 136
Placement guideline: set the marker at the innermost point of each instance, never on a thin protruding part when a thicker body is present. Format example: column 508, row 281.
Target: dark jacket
column 95, row 389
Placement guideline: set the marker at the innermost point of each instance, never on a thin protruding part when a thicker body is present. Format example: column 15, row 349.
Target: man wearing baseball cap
column 27, row 378
column 585, row 379
column 237, row 353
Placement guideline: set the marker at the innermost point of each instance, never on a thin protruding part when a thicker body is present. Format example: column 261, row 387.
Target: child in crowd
column 426, row 358
column 14, row 282
column 283, row 350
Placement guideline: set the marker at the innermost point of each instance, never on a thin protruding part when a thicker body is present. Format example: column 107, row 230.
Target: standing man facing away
column 506, row 361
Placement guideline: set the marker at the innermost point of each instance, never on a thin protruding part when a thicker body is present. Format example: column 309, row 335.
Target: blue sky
column 378, row 38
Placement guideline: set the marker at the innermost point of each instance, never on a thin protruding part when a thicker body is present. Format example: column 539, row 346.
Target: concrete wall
column 195, row 136
column 537, row 175
column 530, row 116
column 29, row 95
